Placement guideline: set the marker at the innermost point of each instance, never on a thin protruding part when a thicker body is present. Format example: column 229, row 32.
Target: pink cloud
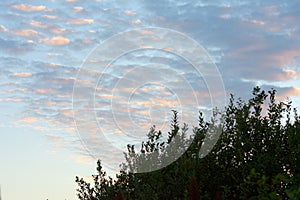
column 80, row 21
column 28, row 8
column 105, row 96
column 55, row 41
column 50, row 103
column 285, row 57
column 38, row 24
column 25, row 33
column 84, row 159
column 23, row 74
column 28, row 119
column 11, row 100
column 291, row 92
column 145, row 32
column 138, row 21
column 54, row 64
column 57, row 141
column 2, row 28
column 287, row 75
column 58, row 30
column 78, row 9
column 50, row 16
column 128, row 12
column 45, row 91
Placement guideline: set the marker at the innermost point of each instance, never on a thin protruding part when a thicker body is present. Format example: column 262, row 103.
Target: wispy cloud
column 25, row 33
column 28, row 8
column 23, row 74
column 56, row 41
column 49, row 16
column 78, row 9
column 71, row 1
column 15, row 100
column 57, row 141
column 58, row 30
column 80, row 21
column 28, row 120
column 128, row 12
column 137, row 21
column 3, row 28
column 288, row 93
column 38, row 24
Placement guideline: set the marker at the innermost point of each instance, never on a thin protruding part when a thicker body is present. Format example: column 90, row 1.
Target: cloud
column 78, row 9
column 25, row 33
column 38, row 24
column 288, row 92
column 49, row 16
column 54, row 64
column 28, row 120
column 128, row 12
column 50, row 103
column 80, row 21
column 145, row 32
column 45, row 91
column 3, row 28
column 15, row 100
column 83, row 159
column 58, row 30
column 28, row 8
column 138, row 21
column 23, row 74
column 57, row 141
column 56, row 41
column 284, row 56
column 287, row 74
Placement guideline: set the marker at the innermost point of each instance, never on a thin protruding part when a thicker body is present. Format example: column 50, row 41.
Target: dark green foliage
column 256, row 157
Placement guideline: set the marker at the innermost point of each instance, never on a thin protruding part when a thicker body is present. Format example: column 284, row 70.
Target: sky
column 79, row 80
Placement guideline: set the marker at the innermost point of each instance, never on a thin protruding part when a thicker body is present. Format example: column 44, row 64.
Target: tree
column 256, row 157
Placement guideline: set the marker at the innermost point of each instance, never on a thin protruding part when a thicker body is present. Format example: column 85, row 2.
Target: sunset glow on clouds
column 80, row 21
column 59, row 40
column 28, row 8
column 44, row 45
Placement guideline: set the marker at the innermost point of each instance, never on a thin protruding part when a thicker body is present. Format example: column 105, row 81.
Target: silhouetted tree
column 257, row 156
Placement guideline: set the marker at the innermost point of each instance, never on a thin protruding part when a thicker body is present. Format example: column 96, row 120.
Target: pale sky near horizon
column 43, row 44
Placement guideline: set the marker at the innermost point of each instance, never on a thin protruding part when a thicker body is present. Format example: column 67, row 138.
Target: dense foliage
column 256, row 157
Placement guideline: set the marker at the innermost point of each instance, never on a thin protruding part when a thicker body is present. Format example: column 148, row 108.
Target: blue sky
column 43, row 45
